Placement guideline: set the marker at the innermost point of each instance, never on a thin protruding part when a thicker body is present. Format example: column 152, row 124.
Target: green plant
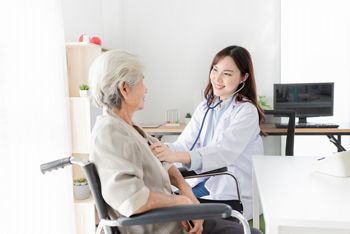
column 80, row 182
column 83, row 87
column 188, row 115
column 263, row 103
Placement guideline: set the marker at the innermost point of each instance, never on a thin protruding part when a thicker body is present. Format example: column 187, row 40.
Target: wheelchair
column 160, row 215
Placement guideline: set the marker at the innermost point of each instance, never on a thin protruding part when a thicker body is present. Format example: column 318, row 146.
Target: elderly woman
column 133, row 180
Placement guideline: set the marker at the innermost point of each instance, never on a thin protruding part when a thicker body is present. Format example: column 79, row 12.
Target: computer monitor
column 306, row 99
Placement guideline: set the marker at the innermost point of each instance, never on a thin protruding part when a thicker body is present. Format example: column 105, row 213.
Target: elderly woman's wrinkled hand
column 195, row 227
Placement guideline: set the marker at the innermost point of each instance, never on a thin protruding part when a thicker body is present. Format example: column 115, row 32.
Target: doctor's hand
column 163, row 153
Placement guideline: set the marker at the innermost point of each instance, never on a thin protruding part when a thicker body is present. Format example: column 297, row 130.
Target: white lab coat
column 235, row 140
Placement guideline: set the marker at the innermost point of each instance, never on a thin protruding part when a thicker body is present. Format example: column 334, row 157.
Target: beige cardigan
column 128, row 171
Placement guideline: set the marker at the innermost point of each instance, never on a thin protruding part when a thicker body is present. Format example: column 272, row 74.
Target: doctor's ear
column 244, row 78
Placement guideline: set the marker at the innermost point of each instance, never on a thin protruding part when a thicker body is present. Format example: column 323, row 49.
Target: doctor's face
column 225, row 77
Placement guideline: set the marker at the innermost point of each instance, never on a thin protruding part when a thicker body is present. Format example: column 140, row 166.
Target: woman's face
column 225, row 77
column 135, row 99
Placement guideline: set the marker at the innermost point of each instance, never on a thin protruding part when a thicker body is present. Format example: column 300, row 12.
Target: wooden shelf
column 85, row 216
column 80, row 124
column 87, row 201
column 82, row 116
column 79, row 58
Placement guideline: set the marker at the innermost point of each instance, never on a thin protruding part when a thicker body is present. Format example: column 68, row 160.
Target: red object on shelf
column 95, row 40
column 84, row 38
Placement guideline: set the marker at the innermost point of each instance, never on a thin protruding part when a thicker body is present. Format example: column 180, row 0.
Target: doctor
column 224, row 130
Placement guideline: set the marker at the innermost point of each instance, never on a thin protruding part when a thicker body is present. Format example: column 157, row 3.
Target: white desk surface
column 295, row 199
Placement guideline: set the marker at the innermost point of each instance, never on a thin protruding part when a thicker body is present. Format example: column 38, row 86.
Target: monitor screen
column 307, row 99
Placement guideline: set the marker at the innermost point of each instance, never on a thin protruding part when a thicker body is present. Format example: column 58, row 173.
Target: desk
column 295, row 199
column 270, row 129
column 344, row 129
column 165, row 130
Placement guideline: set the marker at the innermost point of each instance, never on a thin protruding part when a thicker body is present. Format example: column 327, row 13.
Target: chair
column 234, row 204
column 290, row 127
column 161, row 215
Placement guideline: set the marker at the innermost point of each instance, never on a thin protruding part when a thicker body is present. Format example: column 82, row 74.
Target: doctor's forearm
column 183, row 157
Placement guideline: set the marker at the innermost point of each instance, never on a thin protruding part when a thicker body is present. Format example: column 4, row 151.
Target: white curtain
column 33, row 119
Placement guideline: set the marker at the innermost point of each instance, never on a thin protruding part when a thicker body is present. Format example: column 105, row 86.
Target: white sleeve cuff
column 196, row 161
column 135, row 202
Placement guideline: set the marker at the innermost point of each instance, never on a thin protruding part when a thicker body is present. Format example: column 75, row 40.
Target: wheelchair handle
column 60, row 163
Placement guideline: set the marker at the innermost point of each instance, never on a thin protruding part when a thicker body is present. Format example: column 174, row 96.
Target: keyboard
column 308, row 125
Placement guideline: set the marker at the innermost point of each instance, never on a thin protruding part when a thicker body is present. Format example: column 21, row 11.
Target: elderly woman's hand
column 163, row 153
column 193, row 226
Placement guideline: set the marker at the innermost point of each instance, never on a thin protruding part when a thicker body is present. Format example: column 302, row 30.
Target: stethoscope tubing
column 205, row 115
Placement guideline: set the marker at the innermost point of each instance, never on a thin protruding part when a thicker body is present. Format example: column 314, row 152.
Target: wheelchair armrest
column 176, row 213
column 186, row 173
column 221, row 171
column 179, row 213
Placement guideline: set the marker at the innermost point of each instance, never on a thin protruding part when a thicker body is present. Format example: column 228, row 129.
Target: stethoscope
column 206, row 112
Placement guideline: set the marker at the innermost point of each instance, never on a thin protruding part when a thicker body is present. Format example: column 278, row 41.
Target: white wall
column 82, row 17
column 316, row 48
column 177, row 41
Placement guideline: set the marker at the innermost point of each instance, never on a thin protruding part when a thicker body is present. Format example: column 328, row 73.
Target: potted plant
column 83, row 90
column 187, row 118
column 81, row 189
column 263, row 103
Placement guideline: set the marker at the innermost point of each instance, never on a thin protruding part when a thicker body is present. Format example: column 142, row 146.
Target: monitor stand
column 303, row 123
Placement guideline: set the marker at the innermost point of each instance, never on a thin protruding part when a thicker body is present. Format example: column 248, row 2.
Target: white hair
column 108, row 72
